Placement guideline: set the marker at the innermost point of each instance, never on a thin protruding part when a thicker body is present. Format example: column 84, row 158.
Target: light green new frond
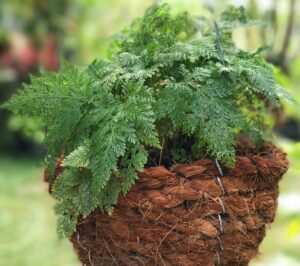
column 79, row 157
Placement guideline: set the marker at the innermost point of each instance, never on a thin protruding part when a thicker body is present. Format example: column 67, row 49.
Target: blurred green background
column 37, row 33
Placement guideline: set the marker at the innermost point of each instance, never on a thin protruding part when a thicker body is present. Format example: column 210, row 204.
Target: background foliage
column 82, row 32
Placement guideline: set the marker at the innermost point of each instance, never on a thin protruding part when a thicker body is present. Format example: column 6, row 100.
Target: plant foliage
column 173, row 84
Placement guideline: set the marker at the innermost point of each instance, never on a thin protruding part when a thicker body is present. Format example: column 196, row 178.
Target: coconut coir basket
column 190, row 214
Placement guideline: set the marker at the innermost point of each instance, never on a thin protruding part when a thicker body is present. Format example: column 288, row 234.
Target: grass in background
column 28, row 224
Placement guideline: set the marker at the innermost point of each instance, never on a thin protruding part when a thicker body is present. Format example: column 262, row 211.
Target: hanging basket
column 191, row 214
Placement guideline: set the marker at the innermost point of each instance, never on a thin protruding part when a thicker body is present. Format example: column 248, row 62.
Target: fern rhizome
column 173, row 88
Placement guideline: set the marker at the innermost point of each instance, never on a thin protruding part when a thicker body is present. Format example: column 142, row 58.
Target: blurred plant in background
column 37, row 33
column 31, row 38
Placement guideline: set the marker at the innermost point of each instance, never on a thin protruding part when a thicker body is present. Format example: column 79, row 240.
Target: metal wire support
column 219, row 50
column 222, row 205
column 221, row 224
column 221, row 185
column 220, row 171
column 221, row 228
column 219, row 168
column 78, row 240
column 218, row 258
column 220, row 243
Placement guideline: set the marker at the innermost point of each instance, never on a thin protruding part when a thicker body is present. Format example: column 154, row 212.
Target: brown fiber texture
column 181, row 216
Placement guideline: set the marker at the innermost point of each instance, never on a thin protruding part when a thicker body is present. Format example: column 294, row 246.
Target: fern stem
column 57, row 97
column 161, row 151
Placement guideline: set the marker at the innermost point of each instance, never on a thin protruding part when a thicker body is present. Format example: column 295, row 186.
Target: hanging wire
column 222, row 205
column 219, row 50
column 219, row 168
column 218, row 259
column 221, row 223
column 220, row 243
column 221, row 185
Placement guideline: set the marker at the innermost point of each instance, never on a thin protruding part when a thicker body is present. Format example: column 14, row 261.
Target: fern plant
column 175, row 88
